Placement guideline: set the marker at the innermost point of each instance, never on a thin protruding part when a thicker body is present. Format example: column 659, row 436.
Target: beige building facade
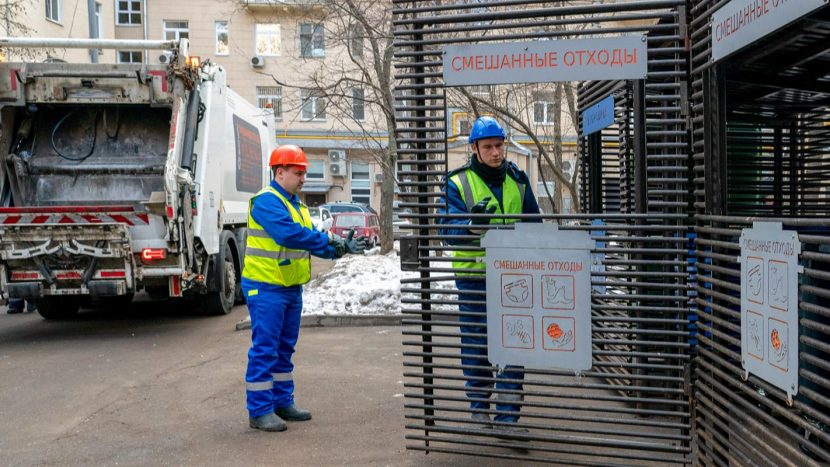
column 270, row 50
column 81, row 19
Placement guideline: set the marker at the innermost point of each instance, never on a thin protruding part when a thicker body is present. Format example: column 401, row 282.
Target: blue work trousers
column 474, row 352
column 275, row 326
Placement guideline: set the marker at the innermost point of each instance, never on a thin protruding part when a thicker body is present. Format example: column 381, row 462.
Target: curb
column 316, row 321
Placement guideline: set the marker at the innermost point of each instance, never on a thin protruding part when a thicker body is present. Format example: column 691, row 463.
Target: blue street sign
column 598, row 116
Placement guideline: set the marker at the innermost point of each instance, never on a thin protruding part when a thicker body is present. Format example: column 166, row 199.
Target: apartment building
column 270, row 49
column 79, row 19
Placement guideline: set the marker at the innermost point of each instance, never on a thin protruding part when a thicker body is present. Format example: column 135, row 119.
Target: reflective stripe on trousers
column 275, row 326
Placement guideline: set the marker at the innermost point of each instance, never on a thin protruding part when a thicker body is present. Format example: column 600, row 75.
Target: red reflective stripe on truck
column 40, row 219
column 175, row 286
column 13, row 78
column 11, row 220
column 65, row 209
column 24, row 275
column 68, row 275
column 121, row 219
column 111, row 274
column 162, row 76
column 174, row 122
column 66, row 220
column 91, row 219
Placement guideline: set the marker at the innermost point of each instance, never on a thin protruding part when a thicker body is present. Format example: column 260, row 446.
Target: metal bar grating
column 633, row 406
column 759, row 141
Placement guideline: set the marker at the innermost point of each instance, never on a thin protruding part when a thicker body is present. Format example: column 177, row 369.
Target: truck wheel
column 241, row 239
column 58, row 307
column 221, row 301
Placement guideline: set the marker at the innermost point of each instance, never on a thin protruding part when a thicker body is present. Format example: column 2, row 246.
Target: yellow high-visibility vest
column 269, row 262
column 473, row 189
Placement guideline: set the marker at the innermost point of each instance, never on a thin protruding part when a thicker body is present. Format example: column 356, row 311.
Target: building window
column 480, row 90
column 361, row 185
column 129, row 56
column 175, row 29
column 268, row 40
column 127, row 13
column 270, row 96
column 221, row 29
column 316, row 171
column 99, row 25
column 313, row 105
column 543, row 113
column 356, row 43
column 358, row 104
column 401, row 102
column 53, row 10
column 312, row 40
column 464, row 125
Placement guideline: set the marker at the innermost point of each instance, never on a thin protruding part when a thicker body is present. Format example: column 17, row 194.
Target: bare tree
column 355, row 80
column 514, row 104
column 12, row 22
column 358, row 88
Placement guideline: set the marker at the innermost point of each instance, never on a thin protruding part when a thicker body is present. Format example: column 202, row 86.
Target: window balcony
column 267, row 4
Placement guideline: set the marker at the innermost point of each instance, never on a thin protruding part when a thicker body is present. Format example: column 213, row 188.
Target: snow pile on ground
column 367, row 284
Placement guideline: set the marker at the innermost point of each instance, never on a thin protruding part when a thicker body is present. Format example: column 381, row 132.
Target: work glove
column 338, row 243
column 481, row 208
column 355, row 245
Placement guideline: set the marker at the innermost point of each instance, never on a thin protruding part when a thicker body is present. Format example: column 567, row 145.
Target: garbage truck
column 121, row 178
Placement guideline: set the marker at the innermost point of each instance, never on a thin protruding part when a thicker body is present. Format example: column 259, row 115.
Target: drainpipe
column 94, row 33
column 144, row 22
column 525, row 151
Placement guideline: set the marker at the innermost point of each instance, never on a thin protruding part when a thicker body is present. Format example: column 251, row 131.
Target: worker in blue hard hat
column 487, row 184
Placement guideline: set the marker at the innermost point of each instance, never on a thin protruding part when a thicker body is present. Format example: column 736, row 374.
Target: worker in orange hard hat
column 288, row 160
column 278, row 249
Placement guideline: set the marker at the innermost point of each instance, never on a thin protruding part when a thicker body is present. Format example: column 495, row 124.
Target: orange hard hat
column 288, row 154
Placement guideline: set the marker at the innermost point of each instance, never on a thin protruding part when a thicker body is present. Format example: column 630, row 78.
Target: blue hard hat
column 486, row 127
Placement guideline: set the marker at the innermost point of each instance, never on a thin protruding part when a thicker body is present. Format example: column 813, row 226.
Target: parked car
column 363, row 223
column 321, row 217
column 399, row 217
column 340, row 206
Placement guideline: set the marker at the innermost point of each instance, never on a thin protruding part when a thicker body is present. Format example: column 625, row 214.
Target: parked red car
column 363, row 223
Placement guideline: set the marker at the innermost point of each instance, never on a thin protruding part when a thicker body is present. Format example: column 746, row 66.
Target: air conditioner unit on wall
column 165, row 57
column 336, row 155
column 337, row 169
column 257, row 61
column 337, row 162
column 379, row 177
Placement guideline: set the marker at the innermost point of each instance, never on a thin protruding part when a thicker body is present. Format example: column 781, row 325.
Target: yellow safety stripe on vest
column 280, row 255
column 253, row 292
column 258, row 234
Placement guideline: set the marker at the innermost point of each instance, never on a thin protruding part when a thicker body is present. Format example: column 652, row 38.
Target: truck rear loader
column 120, row 178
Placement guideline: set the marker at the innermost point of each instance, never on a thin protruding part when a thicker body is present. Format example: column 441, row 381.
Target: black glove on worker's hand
column 355, row 245
column 481, row 208
column 339, row 245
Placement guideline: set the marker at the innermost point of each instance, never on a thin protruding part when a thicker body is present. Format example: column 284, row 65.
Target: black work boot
column 481, row 421
column 293, row 414
column 268, row 422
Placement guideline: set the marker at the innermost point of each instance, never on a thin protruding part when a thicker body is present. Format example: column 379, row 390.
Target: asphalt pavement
column 161, row 385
